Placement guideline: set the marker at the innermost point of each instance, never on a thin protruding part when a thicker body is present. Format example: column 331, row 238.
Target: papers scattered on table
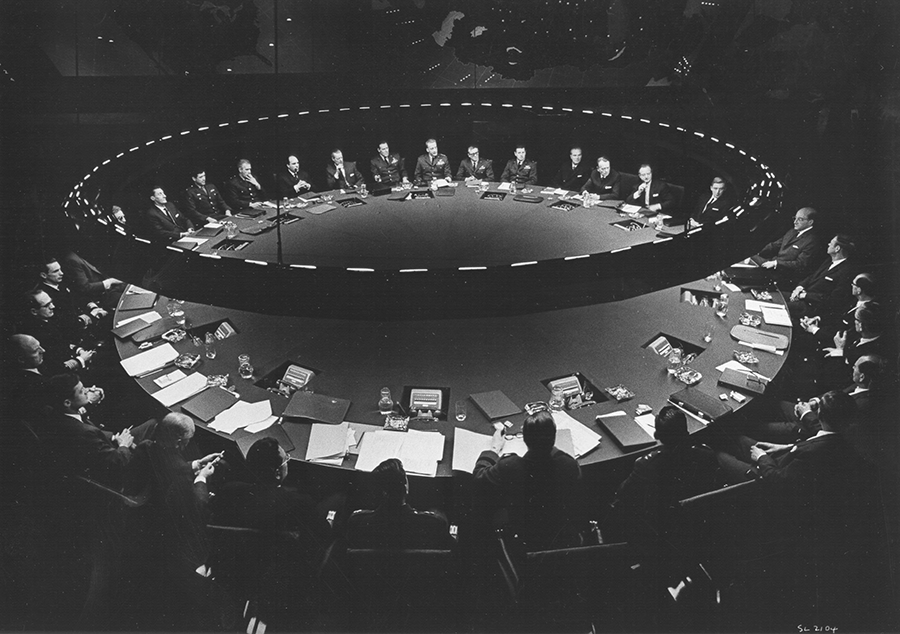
column 467, row 446
column 181, row 390
column 329, row 444
column 776, row 316
column 132, row 289
column 149, row 317
column 628, row 208
column 241, row 414
column 212, row 224
column 647, row 422
column 168, row 379
column 419, row 451
column 190, row 239
column 550, row 191
column 756, row 305
column 584, row 440
column 732, row 365
column 255, row 428
column 504, row 186
column 149, row 360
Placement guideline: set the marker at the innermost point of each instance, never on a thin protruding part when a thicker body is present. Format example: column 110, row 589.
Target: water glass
column 722, row 306
column 461, row 411
column 385, row 403
column 675, row 359
column 210, row 345
column 708, row 330
column 244, row 367
column 231, row 229
column 556, row 399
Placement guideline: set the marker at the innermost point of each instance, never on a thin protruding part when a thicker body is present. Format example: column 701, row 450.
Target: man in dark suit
column 519, row 169
column 89, row 283
column 871, row 337
column 538, row 490
column 243, row 190
column 605, row 182
column 203, row 202
column 61, row 353
column 387, row 168
column 72, row 316
column 717, row 206
column 655, row 195
column 293, row 181
column 573, row 175
column 475, row 168
column 341, row 174
column 394, row 523
column 24, row 392
column 793, row 255
column 164, row 221
column 266, row 504
column 432, row 165
column 826, row 292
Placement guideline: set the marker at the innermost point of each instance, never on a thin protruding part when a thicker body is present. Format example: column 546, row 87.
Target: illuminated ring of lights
column 762, row 196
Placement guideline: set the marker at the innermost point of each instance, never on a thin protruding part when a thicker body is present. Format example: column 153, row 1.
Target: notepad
column 149, row 317
column 495, row 404
column 776, row 317
column 378, row 446
column 328, row 443
column 181, row 390
column 137, row 300
column 149, row 360
column 467, row 446
column 209, row 403
column 422, row 451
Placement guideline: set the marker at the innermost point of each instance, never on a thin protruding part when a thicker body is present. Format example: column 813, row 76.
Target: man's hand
column 756, row 453
column 810, row 324
column 95, row 394
column 798, row 293
column 405, row 180
column 769, row 447
column 109, row 282
column 771, row 264
column 85, row 320
column 806, row 408
column 84, row 356
column 98, row 313
column 197, row 465
column 497, row 442
column 840, row 339
column 124, row 438
column 655, row 207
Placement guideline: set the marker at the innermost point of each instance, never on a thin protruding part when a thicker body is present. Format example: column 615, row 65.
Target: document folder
column 744, row 381
column 209, row 404
column 495, row 404
column 137, row 301
column 701, row 404
column 318, row 407
column 627, row 433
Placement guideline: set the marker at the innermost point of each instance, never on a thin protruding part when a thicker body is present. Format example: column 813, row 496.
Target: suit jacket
column 240, row 193
column 352, row 177
column 710, row 211
column 266, row 506
column 484, row 171
column 202, row 202
column 609, row 188
column 81, row 447
column 25, row 393
column 388, row 170
column 67, row 310
column 161, row 225
column 428, row 170
column 828, row 291
column 285, row 182
column 660, row 194
column 526, row 174
column 57, row 346
column 794, row 254
column 812, row 469
column 87, row 281
column 538, row 493
column 572, row 179
column 398, row 527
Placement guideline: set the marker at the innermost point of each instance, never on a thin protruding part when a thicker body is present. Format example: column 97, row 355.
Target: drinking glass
column 556, row 399
column 675, row 359
column 244, row 367
column 461, row 411
column 722, row 306
column 385, row 404
column 210, row 345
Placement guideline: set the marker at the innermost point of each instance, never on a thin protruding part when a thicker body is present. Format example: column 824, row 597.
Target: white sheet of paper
column 183, row 389
column 378, row 446
column 647, row 423
column 149, row 360
column 618, row 412
column 137, row 289
column 516, row 445
column 776, row 317
column 732, row 365
column 762, row 346
column 327, row 441
column 241, row 414
column 756, row 305
column 168, row 379
column 731, row 287
column 193, row 240
column 583, row 439
column 467, row 446
column 255, row 428
column 503, row 186
column 422, row 451
column 149, row 317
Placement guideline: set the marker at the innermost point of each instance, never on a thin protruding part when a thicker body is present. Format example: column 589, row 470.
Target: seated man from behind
column 394, row 523
column 679, row 469
column 266, row 504
column 537, row 490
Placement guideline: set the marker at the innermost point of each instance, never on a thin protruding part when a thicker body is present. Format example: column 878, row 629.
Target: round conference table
column 354, row 359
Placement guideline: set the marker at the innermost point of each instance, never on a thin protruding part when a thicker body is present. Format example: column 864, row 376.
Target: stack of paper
column 181, row 390
column 241, row 414
column 776, row 316
column 149, row 317
column 584, row 440
column 149, row 360
column 647, row 423
column 467, row 446
column 419, row 451
column 329, row 444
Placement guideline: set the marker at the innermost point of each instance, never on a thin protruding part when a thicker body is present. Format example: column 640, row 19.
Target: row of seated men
column 203, row 201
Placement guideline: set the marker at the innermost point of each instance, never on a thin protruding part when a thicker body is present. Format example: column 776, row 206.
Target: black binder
column 701, row 404
column 627, row 433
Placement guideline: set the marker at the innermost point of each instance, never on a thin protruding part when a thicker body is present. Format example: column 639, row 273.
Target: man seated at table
column 163, row 220
column 605, row 182
column 72, row 315
column 715, row 207
column 266, row 504
column 24, row 392
column 341, row 174
column 293, row 181
column 62, row 354
column 538, row 491
column 89, row 283
column 655, row 195
column 203, row 202
column 432, row 166
column 519, row 169
column 394, row 523
column 475, row 168
column 574, row 173
column 243, row 190
column 826, row 292
column 872, row 335
column 792, row 256
column 387, row 168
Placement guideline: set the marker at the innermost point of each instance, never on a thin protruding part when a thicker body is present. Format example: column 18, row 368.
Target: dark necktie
column 169, row 215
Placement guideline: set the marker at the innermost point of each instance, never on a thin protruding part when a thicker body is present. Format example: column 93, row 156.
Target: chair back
column 628, row 182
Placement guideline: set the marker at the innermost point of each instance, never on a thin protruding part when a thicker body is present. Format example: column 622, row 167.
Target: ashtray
column 747, row 319
column 745, row 356
column 174, row 335
column 396, row 422
column 688, row 375
column 761, row 295
column 217, row 380
column 620, row 393
column 187, row 361
column 536, row 406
